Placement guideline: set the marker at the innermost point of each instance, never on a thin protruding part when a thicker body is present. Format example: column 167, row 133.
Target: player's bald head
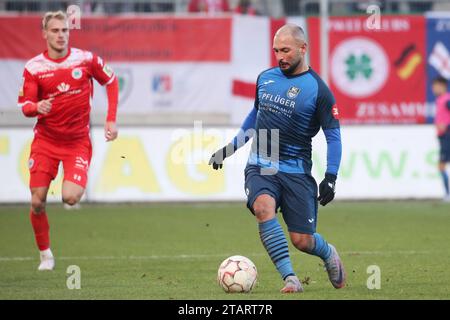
column 293, row 31
column 290, row 47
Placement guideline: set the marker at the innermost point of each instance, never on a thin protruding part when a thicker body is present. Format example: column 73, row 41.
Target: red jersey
column 69, row 81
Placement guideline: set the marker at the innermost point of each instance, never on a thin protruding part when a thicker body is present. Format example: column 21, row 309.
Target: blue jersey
column 297, row 106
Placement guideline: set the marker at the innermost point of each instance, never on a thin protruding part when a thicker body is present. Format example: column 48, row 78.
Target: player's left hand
column 110, row 131
column 327, row 189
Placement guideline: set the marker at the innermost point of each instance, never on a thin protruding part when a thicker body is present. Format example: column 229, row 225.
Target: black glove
column 217, row 158
column 327, row 189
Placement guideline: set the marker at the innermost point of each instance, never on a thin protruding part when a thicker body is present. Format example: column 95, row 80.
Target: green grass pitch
column 172, row 251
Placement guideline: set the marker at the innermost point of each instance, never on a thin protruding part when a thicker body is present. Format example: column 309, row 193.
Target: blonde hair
column 52, row 15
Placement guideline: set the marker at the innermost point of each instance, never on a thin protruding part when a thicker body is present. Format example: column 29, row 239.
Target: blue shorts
column 295, row 195
column 444, row 147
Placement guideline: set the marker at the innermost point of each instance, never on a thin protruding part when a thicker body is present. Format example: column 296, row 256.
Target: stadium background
column 186, row 84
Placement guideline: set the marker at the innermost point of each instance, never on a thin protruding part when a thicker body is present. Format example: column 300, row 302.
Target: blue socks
column 274, row 240
column 321, row 248
column 445, row 180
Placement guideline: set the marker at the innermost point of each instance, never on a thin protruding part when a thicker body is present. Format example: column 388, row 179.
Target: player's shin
column 276, row 245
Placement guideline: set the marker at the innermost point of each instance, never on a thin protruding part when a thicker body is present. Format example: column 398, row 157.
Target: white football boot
column 47, row 260
column 292, row 285
column 335, row 269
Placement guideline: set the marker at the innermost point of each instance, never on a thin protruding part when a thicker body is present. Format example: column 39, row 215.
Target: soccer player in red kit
column 57, row 89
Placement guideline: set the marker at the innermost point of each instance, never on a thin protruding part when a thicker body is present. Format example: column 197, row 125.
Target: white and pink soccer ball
column 237, row 274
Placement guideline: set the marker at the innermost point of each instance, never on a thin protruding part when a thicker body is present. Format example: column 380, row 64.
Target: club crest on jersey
column 77, row 73
column 293, row 92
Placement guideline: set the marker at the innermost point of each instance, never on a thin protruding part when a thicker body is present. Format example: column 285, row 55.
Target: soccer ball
column 237, row 274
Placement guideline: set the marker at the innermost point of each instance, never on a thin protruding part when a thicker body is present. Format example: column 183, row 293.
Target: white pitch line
column 203, row 256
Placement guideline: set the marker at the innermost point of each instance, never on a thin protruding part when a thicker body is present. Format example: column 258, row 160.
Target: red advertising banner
column 160, row 39
column 376, row 74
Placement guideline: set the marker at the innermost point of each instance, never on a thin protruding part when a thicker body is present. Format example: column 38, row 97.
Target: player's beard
column 290, row 71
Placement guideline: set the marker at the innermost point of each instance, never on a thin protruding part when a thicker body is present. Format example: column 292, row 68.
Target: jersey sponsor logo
column 268, row 82
column 46, row 75
column 293, row 92
column 278, row 100
column 311, row 220
column 77, row 73
column 335, row 111
column 247, row 191
column 63, row 87
column 107, row 70
column 100, row 61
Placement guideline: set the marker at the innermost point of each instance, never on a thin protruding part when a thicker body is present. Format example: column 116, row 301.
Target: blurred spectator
column 291, row 7
column 245, row 7
column 210, row 6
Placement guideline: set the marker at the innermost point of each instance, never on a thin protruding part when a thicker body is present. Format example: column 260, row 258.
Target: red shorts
column 46, row 155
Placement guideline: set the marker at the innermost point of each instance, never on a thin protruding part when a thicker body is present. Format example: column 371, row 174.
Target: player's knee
column 303, row 244
column 37, row 204
column 263, row 211
column 71, row 199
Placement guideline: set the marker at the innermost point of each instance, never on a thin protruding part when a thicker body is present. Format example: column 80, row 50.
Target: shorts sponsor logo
column 247, row 191
column 80, row 163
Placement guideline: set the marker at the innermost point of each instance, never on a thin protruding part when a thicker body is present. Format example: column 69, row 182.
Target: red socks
column 41, row 230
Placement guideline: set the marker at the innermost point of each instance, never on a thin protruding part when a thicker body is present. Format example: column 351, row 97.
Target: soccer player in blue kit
column 291, row 105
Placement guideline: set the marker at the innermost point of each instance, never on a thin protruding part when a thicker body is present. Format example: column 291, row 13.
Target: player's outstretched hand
column 327, row 189
column 217, row 158
column 110, row 131
column 45, row 106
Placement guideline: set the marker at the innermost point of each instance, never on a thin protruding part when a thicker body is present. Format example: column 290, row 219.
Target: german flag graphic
column 408, row 62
